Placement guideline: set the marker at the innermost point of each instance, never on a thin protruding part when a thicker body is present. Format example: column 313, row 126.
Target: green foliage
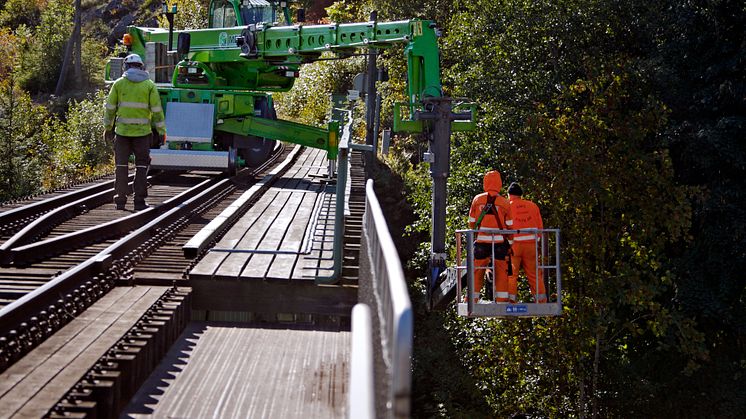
column 438, row 10
column 76, row 146
column 42, row 59
column 346, row 11
column 601, row 110
column 93, row 63
column 191, row 14
column 41, row 151
column 309, row 100
column 20, row 12
column 10, row 46
column 20, row 123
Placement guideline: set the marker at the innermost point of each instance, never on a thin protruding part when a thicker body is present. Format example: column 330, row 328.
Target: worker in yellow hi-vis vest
column 133, row 111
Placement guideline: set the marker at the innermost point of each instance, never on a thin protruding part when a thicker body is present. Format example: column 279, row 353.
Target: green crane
column 242, row 57
column 218, row 103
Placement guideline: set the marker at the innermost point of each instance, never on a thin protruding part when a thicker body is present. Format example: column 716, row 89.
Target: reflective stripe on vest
column 139, row 121
column 490, row 238
column 524, row 238
column 134, row 105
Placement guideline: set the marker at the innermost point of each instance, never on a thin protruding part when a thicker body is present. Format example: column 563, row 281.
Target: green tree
column 309, row 100
column 75, row 145
column 20, row 12
column 191, row 14
column 20, row 122
column 42, row 58
column 582, row 101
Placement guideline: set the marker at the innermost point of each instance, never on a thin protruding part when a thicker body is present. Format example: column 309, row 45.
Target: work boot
column 141, row 205
column 120, row 205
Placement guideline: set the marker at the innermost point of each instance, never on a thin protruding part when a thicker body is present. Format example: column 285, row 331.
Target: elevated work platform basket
column 547, row 261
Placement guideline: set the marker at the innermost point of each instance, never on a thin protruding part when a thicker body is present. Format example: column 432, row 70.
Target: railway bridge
column 276, row 292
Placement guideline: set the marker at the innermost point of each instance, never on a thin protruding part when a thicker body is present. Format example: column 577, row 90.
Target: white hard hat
column 133, row 59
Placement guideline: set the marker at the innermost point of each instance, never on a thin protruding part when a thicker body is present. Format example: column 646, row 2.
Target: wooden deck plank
column 38, row 391
column 26, row 365
column 77, row 368
column 286, row 234
column 298, row 228
column 257, row 265
column 211, row 262
column 243, row 234
column 284, row 266
column 235, row 263
column 234, row 370
column 278, row 221
column 320, row 262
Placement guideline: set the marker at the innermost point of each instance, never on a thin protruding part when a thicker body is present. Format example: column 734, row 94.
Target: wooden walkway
column 34, row 384
column 286, row 235
column 234, row 370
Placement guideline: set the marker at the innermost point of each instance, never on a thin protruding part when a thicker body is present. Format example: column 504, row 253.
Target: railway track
column 59, row 256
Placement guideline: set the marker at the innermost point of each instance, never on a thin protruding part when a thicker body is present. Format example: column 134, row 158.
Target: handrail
column 361, row 399
column 339, row 213
column 394, row 306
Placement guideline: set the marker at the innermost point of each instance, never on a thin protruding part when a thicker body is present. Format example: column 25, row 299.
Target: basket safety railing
column 547, row 263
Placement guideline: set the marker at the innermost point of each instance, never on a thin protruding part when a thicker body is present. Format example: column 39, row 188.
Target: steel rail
column 47, row 248
column 63, row 295
column 32, row 318
column 129, row 243
column 49, row 220
column 37, row 208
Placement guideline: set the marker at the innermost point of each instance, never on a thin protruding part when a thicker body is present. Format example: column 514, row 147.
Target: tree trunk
column 581, row 401
column 8, row 169
column 594, row 386
column 68, row 51
column 65, row 65
column 78, row 71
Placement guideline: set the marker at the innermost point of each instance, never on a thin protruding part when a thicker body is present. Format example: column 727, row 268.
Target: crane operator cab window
column 256, row 11
column 223, row 15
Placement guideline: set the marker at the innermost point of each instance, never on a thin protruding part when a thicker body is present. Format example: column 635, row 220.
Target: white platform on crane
column 189, row 159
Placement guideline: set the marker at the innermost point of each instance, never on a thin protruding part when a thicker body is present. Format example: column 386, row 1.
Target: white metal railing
column 547, row 262
column 361, row 401
column 394, row 306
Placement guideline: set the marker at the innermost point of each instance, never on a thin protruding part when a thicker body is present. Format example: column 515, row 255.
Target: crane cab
column 458, row 281
column 232, row 13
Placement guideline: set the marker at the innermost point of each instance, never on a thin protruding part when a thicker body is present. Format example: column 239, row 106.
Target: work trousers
column 500, row 272
column 524, row 256
column 123, row 147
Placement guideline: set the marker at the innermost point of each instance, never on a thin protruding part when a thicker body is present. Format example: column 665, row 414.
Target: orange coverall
column 492, row 185
column 525, row 215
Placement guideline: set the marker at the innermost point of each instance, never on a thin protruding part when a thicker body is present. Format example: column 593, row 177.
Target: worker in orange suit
column 525, row 215
column 491, row 210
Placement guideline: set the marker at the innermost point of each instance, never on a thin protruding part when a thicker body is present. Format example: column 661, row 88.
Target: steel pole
column 440, row 147
column 370, row 94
